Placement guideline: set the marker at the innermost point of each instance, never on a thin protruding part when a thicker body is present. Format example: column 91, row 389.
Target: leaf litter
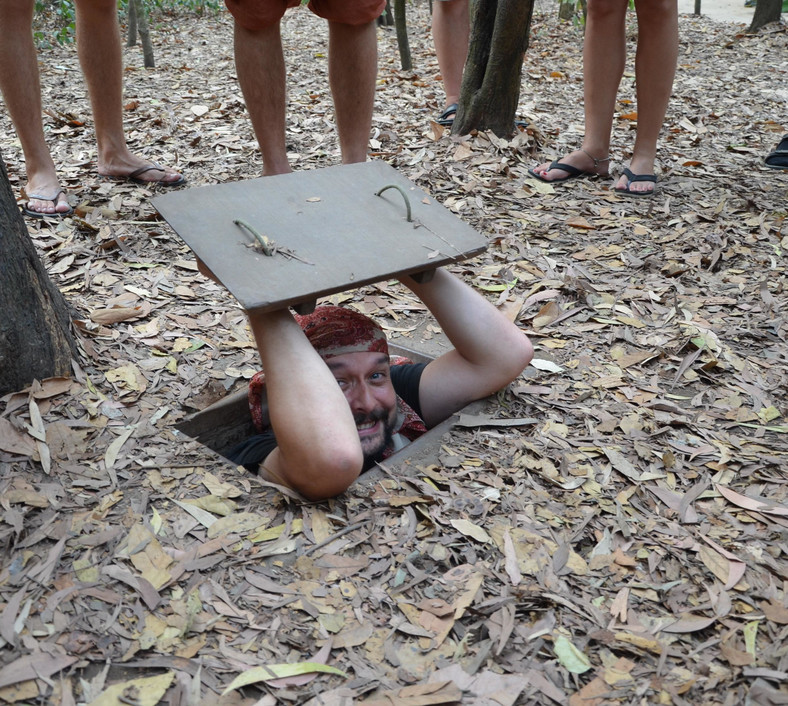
column 610, row 529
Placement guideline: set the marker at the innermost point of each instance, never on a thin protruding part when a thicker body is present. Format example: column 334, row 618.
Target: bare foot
column 579, row 159
column 139, row 170
column 45, row 197
column 638, row 166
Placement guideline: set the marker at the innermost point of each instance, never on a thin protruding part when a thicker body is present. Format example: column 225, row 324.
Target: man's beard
column 389, row 418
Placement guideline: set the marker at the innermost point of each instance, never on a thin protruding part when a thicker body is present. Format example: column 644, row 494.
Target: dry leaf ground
column 627, row 547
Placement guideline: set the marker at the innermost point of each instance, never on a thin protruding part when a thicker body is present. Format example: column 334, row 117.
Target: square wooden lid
column 329, row 229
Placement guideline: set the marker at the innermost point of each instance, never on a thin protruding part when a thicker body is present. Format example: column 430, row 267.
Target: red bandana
column 334, row 330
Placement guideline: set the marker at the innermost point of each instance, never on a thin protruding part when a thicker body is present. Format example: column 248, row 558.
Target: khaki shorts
column 258, row 14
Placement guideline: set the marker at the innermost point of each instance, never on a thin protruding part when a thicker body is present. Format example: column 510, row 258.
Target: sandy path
column 720, row 10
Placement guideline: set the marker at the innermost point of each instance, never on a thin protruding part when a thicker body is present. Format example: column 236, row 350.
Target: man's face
column 365, row 379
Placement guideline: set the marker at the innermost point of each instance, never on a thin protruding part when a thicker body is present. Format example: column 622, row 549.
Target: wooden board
column 330, row 229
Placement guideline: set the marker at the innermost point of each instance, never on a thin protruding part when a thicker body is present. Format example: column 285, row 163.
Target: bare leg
column 450, row 32
column 655, row 67
column 352, row 71
column 21, row 89
column 260, row 64
column 98, row 44
column 604, row 57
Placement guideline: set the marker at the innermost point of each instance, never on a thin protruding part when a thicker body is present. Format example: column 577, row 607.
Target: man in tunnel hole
column 337, row 404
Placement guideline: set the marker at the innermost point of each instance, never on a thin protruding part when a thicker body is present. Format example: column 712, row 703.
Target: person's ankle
column 600, row 159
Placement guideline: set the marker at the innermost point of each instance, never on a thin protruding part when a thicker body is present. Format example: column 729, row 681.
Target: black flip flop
column 573, row 173
column 135, row 177
column 632, row 177
column 41, row 214
column 778, row 158
column 447, row 116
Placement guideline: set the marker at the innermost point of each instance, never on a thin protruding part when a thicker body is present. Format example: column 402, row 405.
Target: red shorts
column 258, row 14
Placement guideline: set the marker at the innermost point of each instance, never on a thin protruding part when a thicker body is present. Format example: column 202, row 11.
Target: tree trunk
column 491, row 81
column 386, row 18
column 766, row 11
column 35, row 335
column 697, row 7
column 138, row 20
column 402, row 35
column 131, row 36
column 566, row 10
column 142, row 25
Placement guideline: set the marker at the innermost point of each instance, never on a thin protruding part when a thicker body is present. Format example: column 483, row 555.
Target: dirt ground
column 611, row 529
column 720, row 10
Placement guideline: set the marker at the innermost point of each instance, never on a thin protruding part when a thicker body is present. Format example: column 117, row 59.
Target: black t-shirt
column 254, row 450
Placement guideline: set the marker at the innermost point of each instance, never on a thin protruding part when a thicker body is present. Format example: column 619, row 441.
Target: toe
column 555, row 174
column 39, row 206
column 171, row 175
column 45, row 196
column 550, row 173
column 161, row 175
column 542, row 169
column 634, row 187
column 57, row 205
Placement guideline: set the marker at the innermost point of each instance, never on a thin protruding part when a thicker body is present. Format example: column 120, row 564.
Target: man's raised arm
column 318, row 449
column 489, row 350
